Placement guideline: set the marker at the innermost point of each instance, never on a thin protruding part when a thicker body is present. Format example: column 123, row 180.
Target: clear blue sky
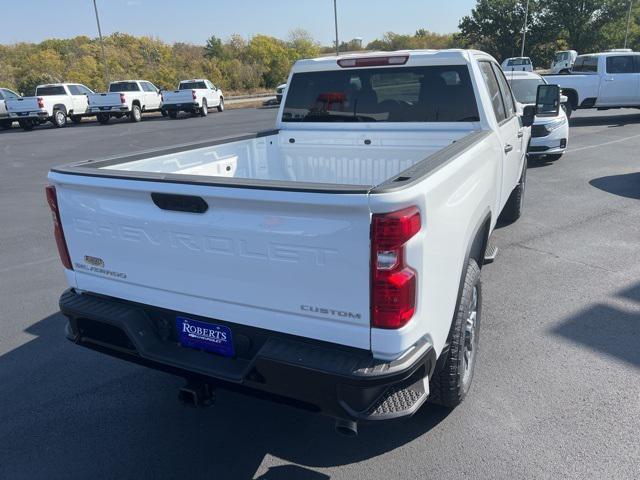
column 195, row 20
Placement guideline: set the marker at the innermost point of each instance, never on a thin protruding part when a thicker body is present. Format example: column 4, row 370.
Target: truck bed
column 273, row 160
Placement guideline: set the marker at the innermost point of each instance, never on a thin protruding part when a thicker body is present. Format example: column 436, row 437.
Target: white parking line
column 572, row 150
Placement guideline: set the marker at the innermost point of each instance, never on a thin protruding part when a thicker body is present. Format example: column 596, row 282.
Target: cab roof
column 415, row 58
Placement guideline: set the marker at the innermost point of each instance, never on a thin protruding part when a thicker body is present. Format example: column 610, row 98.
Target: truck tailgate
column 26, row 104
column 177, row 96
column 294, row 262
column 104, row 99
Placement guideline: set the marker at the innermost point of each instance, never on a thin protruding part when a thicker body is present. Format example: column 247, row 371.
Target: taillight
column 122, row 99
column 52, row 200
column 193, row 94
column 393, row 282
column 373, row 61
column 40, row 102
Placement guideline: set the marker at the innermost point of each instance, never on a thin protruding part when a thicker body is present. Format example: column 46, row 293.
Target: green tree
column 214, row 48
column 495, row 26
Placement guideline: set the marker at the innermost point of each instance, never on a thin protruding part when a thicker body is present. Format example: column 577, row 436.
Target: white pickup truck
column 602, row 80
column 52, row 103
column 126, row 98
column 6, row 94
column 334, row 261
column 194, row 96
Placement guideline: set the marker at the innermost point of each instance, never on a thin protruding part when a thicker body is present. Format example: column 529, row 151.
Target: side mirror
column 548, row 100
column 528, row 115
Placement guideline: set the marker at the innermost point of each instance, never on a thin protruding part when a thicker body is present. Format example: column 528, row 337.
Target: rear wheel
column 173, row 114
column 204, row 111
column 103, row 118
column 450, row 383
column 221, row 105
column 5, row 124
column 26, row 125
column 513, row 209
column 76, row 119
column 59, row 118
column 136, row 113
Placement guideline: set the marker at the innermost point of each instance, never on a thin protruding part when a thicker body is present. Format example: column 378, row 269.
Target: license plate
column 205, row 336
column 178, row 105
column 105, row 108
column 23, row 114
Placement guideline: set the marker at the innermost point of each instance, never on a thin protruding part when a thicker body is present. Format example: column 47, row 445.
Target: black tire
column 513, row 209
column 6, row 124
column 136, row 113
column 76, row 119
column 221, row 105
column 173, row 114
column 554, row 157
column 163, row 112
column 59, row 118
column 103, row 118
column 27, row 125
column 204, row 110
column 451, row 381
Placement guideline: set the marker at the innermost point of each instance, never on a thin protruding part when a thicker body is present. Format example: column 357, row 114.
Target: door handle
column 608, row 79
column 508, row 148
column 520, row 134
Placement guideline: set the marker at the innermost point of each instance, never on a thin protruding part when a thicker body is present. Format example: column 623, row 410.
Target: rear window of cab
column 387, row 94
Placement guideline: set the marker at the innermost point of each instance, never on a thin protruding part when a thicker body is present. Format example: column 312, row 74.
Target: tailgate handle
column 179, row 203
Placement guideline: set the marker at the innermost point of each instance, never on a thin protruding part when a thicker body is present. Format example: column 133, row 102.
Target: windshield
column 50, row 91
column 192, row 86
column 399, row 94
column 124, row 87
column 525, row 89
column 562, row 56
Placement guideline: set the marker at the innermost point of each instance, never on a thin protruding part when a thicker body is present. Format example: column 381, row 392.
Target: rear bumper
column 338, row 381
column 30, row 115
column 181, row 107
column 109, row 109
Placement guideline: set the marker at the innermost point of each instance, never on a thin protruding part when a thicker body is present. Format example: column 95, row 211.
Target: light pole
column 104, row 56
column 335, row 16
column 524, row 30
column 626, row 35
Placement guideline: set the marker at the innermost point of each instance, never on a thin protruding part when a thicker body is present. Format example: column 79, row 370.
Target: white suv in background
column 549, row 133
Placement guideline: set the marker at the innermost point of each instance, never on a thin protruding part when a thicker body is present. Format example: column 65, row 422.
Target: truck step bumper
column 338, row 381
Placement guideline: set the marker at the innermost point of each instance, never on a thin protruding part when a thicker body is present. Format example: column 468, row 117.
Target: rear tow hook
column 198, row 395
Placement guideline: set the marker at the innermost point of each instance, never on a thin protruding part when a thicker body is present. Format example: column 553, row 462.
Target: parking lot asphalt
column 557, row 386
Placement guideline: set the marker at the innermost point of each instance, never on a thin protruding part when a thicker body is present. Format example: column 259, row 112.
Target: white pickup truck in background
column 602, row 80
column 6, row 94
column 126, row 98
column 334, row 261
column 51, row 103
column 193, row 96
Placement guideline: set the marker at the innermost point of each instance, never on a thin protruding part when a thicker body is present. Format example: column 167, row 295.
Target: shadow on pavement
column 627, row 185
column 606, row 329
column 617, row 120
column 69, row 412
column 539, row 161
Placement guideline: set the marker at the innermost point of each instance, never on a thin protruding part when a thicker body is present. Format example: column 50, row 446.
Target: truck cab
column 563, row 61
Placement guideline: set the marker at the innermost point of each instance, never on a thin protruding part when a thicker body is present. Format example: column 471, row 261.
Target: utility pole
column 335, row 15
column 104, row 56
column 524, row 30
column 626, row 35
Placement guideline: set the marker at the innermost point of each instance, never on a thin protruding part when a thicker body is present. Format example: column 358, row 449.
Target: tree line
column 261, row 62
